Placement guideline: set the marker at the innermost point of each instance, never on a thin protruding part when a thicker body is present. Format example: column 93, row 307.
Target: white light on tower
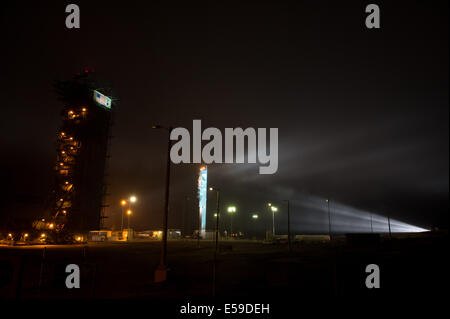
column 202, row 190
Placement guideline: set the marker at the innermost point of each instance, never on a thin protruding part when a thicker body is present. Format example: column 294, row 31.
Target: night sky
column 363, row 115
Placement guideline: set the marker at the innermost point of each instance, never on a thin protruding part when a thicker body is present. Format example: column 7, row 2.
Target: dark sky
column 362, row 114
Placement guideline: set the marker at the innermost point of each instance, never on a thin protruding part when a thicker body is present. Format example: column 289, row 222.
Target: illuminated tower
column 202, row 194
column 82, row 146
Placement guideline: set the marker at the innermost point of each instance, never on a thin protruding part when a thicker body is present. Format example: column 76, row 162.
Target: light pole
column 273, row 209
column 255, row 217
column 161, row 271
column 389, row 225
column 231, row 210
column 131, row 200
column 217, row 214
column 329, row 218
column 199, row 223
column 129, row 212
column 185, row 210
column 123, row 202
column 289, row 224
column 371, row 225
column 335, row 283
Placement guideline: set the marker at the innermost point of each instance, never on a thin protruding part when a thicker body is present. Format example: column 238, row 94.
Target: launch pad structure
column 78, row 199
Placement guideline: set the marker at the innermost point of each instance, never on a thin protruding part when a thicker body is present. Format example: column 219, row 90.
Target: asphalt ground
column 245, row 271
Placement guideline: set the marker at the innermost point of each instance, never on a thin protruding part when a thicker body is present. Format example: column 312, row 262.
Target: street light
column 231, row 210
column 161, row 271
column 289, row 223
column 217, row 214
column 329, row 218
column 371, row 224
column 131, row 200
column 123, row 203
column 273, row 209
column 255, row 218
column 129, row 212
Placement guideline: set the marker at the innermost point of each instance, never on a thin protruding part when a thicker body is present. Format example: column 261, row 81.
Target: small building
column 157, row 234
column 100, row 235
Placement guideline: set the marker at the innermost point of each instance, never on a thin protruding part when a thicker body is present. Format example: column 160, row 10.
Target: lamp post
column 329, row 218
column 335, row 283
column 255, row 217
column 231, row 210
column 389, row 225
column 289, row 224
column 131, row 200
column 123, row 202
column 273, row 209
column 217, row 214
column 371, row 225
column 161, row 271
column 185, row 210
column 129, row 212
